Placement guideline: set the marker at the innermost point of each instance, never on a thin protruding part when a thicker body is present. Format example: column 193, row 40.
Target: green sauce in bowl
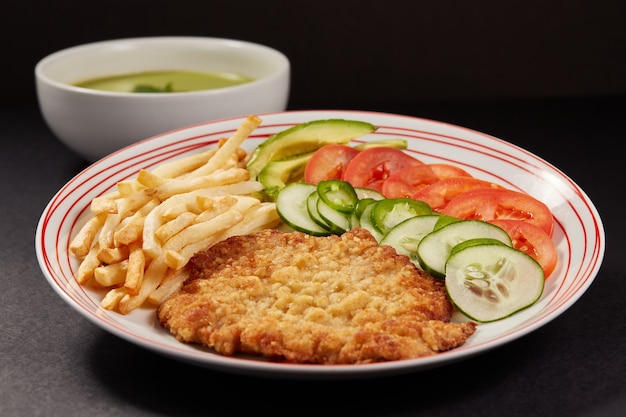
column 165, row 81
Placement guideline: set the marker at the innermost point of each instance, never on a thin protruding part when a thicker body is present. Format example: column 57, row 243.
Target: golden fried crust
column 303, row 299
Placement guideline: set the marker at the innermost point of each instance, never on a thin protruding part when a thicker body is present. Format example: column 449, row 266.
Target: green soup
column 165, row 81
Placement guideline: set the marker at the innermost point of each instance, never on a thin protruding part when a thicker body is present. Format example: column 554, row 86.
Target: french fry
column 171, row 284
column 135, row 268
column 169, row 229
column 184, row 165
column 107, row 232
column 152, row 278
column 143, row 234
column 89, row 263
column 127, row 188
column 258, row 218
column 240, row 154
column 112, row 255
column 174, row 260
column 177, row 210
column 171, row 187
column 207, row 169
column 82, row 242
column 230, row 146
column 103, row 205
column 240, row 188
column 111, row 275
column 112, row 298
column 213, row 206
column 198, row 231
column 149, row 179
column 128, row 233
column 131, row 228
column 132, row 203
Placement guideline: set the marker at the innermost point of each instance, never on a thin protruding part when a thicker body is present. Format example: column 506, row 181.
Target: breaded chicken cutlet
column 296, row 298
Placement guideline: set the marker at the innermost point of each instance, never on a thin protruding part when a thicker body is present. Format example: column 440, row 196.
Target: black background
column 349, row 53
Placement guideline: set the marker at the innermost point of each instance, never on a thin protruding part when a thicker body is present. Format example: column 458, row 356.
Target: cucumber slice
column 337, row 221
column 360, row 206
column 291, row 206
column 489, row 282
column 363, row 193
column 474, row 242
column 365, row 196
column 406, row 236
column 365, row 218
column 434, row 249
column 392, row 211
column 311, row 206
column 355, row 218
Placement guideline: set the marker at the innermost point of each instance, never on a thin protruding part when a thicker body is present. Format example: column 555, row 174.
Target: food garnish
column 149, row 88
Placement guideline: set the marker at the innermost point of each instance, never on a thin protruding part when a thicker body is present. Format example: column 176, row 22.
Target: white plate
column 578, row 235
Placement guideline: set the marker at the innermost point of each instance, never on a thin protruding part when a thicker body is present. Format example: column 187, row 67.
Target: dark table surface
column 56, row 363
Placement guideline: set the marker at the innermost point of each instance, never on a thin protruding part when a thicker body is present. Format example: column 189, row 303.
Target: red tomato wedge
column 448, row 170
column 371, row 167
column 407, row 181
column 328, row 163
column 532, row 240
column 500, row 203
column 439, row 193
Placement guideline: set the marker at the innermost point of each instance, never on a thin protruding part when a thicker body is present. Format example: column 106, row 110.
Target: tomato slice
column 439, row 193
column 532, row 240
column 328, row 163
column 408, row 180
column 448, row 170
column 371, row 167
column 411, row 179
column 500, row 203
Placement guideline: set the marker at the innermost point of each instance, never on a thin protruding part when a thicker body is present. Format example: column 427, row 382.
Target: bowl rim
column 278, row 56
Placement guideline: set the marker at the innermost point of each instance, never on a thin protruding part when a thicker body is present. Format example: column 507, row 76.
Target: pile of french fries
column 141, row 236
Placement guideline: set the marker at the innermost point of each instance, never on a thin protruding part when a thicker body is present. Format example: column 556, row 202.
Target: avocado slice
column 277, row 174
column 304, row 138
column 390, row 143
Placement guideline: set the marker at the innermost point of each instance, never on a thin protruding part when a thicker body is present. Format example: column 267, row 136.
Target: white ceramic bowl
column 95, row 123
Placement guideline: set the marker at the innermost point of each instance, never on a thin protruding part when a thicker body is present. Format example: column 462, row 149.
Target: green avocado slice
column 277, row 174
column 304, row 138
column 389, row 143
